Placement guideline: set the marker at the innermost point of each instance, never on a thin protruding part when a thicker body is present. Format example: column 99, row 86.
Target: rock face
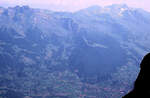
column 141, row 85
column 94, row 52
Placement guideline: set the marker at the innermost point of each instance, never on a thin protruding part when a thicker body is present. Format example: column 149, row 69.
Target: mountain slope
column 94, row 52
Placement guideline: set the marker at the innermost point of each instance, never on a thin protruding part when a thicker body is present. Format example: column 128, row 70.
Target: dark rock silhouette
column 142, row 84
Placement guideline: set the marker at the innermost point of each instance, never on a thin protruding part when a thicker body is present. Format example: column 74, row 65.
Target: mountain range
column 91, row 53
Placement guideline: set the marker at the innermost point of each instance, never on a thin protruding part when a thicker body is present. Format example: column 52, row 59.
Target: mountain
column 92, row 53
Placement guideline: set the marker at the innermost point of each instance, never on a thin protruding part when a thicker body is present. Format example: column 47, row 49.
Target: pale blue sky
column 74, row 5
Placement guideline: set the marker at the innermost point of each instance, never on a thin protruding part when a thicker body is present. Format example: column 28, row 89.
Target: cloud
column 74, row 5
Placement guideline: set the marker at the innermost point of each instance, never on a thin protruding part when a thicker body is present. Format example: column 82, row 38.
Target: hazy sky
column 73, row 5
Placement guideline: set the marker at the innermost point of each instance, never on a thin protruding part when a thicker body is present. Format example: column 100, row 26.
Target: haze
column 74, row 5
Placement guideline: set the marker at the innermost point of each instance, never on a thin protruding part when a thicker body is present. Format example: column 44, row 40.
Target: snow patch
column 94, row 44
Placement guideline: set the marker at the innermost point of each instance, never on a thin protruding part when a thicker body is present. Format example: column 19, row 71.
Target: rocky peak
column 1, row 10
column 118, row 6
